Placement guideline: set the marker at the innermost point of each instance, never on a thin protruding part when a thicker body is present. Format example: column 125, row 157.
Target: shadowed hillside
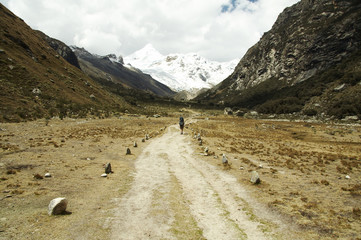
column 309, row 62
column 103, row 69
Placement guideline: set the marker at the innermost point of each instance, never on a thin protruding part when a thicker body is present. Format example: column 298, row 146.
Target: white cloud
column 97, row 41
column 123, row 26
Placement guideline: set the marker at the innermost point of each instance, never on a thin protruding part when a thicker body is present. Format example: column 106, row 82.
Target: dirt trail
column 212, row 202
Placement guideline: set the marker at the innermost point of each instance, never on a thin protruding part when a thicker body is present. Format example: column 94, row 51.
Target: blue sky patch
column 232, row 5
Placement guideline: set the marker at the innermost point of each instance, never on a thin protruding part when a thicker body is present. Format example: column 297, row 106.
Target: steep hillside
column 62, row 49
column 36, row 82
column 109, row 69
column 309, row 61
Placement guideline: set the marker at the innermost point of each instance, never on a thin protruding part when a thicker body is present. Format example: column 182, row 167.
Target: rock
column 206, row 150
column 104, row 175
column 255, row 178
column 143, row 140
column 253, row 113
column 11, row 171
column 200, row 142
column 121, row 60
column 199, row 137
column 146, row 137
column 57, row 206
column 108, row 168
column 38, row 176
column 347, row 177
column 224, row 159
column 47, row 175
column 135, row 144
column 156, row 116
column 350, row 118
column 228, row 111
column 260, row 166
column 62, row 50
column 239, row 113
column 241, row 168
column 339, row 88
column 92, row 96
column 36, row 91
column 128, row 151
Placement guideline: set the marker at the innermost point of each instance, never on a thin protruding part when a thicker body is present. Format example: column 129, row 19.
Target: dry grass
column 302, row 166
column 74, row 152
column 302, row 169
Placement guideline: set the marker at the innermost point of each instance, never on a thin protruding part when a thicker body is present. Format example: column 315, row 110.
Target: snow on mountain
column 180, row 71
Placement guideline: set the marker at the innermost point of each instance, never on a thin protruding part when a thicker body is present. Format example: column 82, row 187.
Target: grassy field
column 310, row 172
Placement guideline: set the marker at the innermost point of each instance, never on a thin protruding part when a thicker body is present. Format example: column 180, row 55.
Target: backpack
column 181, row 121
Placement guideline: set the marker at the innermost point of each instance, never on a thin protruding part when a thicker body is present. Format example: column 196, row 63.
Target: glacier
column 180, row 71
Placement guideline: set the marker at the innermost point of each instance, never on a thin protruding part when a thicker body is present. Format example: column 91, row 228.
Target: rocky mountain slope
column 62, row 49
column 110, row 69
column 180, row 71
column 35, row 81
column 308, row 62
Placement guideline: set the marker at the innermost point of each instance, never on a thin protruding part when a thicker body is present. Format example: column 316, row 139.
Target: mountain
column 35, row 81
column 180, row 71
column 106, row 69
column 62, row 49
column 110, row 69
column 309, row 62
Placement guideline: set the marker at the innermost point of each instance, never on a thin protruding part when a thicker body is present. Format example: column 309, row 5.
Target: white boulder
column 57, row 206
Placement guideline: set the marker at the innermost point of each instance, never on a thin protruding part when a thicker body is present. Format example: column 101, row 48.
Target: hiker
column 181, row 124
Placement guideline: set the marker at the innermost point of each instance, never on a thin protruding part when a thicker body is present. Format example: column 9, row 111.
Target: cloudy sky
column 219, row 30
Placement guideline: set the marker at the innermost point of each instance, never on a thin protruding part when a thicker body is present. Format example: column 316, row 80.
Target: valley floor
column 169, row 189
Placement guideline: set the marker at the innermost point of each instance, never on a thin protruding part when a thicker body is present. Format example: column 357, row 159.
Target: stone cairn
column 108, row 168
column 128, row 152
column 224, row 160
column 255, row 179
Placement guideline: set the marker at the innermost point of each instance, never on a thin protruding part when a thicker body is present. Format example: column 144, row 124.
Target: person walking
column 181, row 124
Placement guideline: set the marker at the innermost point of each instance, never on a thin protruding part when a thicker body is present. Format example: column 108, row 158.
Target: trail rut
column 212, row 202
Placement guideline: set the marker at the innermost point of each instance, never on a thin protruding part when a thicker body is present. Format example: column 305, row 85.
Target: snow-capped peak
column 180, row 71
column 144, row 56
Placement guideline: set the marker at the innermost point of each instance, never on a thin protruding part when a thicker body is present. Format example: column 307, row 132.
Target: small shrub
column 10, row 171
column 310, row 112
column 325, row 182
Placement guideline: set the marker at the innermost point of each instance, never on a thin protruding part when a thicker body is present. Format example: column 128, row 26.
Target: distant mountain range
column 110, row 68
column 180, row 71
column 309, row 63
